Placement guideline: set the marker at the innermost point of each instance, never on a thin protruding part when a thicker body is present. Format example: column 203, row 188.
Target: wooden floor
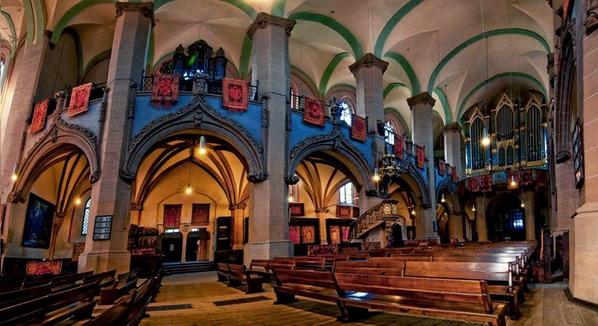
column 545, row 305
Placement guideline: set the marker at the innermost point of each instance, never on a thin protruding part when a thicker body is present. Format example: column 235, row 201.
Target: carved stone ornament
column 146, row 8
column 197, row 114
column 422, row 98
column 451, row 127
column 369, row 60
column 263, row 20
column 591, row 19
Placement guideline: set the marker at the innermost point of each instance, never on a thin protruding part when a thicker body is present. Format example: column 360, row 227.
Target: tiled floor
column 545, row 305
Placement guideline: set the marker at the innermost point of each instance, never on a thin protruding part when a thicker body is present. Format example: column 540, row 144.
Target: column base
column 105, row 261
column 583, row 253
column 267, row 250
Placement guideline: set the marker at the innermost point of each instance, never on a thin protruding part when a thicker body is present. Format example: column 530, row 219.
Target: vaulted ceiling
column 460, row 51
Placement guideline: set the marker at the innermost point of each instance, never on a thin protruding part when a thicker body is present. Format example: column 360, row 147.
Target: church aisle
column 545, row 305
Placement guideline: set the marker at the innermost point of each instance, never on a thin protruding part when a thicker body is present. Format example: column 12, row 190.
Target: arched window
column 294, row 96
column 346, row 114
column 510, row 155
column 501, row 156
column 478, row 152
column 346, row 194
column 389, row 133
column 534, row 133
column 85, row 223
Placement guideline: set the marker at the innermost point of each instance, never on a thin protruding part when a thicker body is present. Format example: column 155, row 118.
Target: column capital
column 368, row 60
column 454, row 126
column 263, row 19
column 145, row 8
column 422, row 98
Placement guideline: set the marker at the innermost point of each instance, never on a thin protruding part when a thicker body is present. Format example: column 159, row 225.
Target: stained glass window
column 85, row 223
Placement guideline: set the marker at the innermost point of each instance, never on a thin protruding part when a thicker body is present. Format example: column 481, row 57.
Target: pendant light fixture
column 202, row 150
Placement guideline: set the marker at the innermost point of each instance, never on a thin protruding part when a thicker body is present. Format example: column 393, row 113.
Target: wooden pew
column 13, row 297
column 239, row 275
column 314, row 284
column 498, row 276
column 310, row 262
column 115, row 315
column 462, row 300
column 126, row 282
column 223, row 272
column 104, row 279
column 377, row 267
column 53, row 308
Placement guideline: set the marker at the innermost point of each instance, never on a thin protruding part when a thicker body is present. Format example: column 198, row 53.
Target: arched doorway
column 185, row 187
column 505, row 218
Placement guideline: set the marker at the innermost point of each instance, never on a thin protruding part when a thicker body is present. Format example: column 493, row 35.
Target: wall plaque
column 102, row 227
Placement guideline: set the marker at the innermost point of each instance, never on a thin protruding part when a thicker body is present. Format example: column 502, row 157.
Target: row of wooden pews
column 450, row 283
column 74, row 299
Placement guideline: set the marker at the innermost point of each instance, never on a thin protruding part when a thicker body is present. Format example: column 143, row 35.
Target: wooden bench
column 51, row 309
column 462, row 300
column 310, row 262
column 498, row 276
column 104, row 279
column 13, row 297
column 313, row 284
column 126, row 282
column 222, row 271
column 239, row 274
column 116, row 315
column 377, row 267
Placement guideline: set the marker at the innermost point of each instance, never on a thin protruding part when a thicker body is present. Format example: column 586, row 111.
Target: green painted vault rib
column 508, row 74
column 12, row 30
column 391, row 24
column 390, row 87
column 446, row 108
column 503, row 31
column 278, row 7
column 400, row 59
column 39, row 13
column 72, row 13
column 336, row 60
column 335, row 26
column 247, row 9
column 30, row 20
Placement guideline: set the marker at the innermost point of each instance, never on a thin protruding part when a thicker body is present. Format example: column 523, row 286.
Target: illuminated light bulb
column 513, row 182
column 485, row 141
column 442, row 200
column 77, row 201
column 413, row 211
column 14, row 177
column 188, row 190
column 522, row 205
column 291, row 199
column 202, row 145
column 473, row 208
column 376, row 176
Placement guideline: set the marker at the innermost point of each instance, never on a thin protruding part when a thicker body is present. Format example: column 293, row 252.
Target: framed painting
column 38, row 222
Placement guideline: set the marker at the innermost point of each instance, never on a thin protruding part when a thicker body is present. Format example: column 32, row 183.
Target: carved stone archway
column 197, row 116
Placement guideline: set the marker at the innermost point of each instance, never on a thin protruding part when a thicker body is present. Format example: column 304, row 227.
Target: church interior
column 298, row 162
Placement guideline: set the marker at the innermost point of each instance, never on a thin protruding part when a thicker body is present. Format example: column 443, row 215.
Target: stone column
column 184, row 235
column 583, row 280
column 269, row 223
column 421, row 118
column 238, row 214
column 27, row 71
column 456, row 227
column 480, row 219
column 111, row 194
column 368, row 71
column 530, row 215
column 452, row 146
column 321, row 216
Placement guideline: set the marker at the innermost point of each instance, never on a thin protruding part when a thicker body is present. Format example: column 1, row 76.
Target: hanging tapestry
column 485, row 183
column 398, row 148
column 345, row 233
column 79, row 99
column 38, row 123
column 420, row 155
column 335, row 234
column 313, row 112
column 441, row 168
column 294, row 234
column 526, row 178
column 172, row 215
column 38, row 267
column 454, row 175
column 165, row 88
column 234, row 94
column 308, row 234
column 358, row 128
column 200, row 214
column 296, row 209
column 473, row 184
